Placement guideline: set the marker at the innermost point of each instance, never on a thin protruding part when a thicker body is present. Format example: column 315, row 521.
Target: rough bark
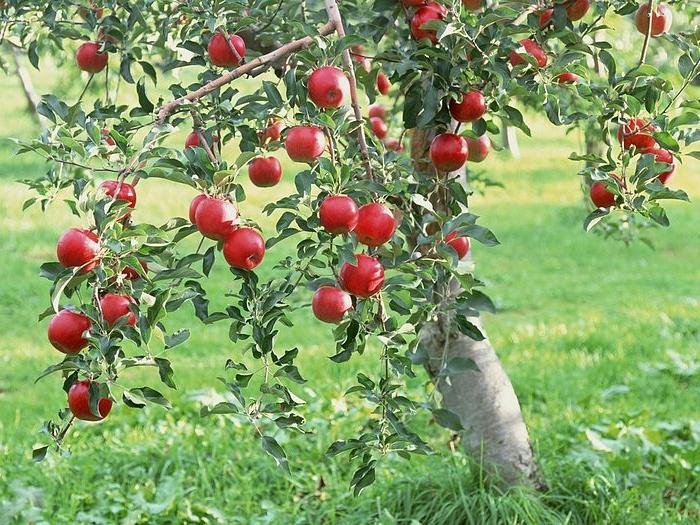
column 485, row 402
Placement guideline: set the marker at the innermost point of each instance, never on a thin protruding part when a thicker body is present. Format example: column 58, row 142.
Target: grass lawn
column 600, row 340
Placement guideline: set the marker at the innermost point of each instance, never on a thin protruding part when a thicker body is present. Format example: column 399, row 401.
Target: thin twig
column 337, row 21
column 647, row 35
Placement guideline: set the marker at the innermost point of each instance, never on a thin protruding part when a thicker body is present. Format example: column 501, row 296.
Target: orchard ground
column 600, row 340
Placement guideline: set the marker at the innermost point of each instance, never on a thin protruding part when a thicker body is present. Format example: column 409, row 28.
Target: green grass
column 585, row 328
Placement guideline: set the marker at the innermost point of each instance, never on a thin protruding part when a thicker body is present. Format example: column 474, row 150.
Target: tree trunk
column 485, row 402
column 26, row 83
column 510, row 140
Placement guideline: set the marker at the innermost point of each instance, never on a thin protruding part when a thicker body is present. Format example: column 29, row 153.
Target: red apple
column 192, row 141
column 601, row 196
column 379, row 127
column 272, row 132
column 305, row 143
column 375, row 224
column 383, row 84
column 478, row 148
column 107, row 139
column 661, row 19
column 115, row 306
column 265, row 171
column 364, row 278
column 90, row 59
column 545, row 16
column 471, row 108
column 567, row 78
column 79, row 402
column 194, row 205
column 448, row 152
column 220, row 52
column 432, row 11
column 393, row 144
column 330, row 304
column 329, row 87
column 377, row 110
column 132, row 274
column 458, row 244
column 533, row 49
column 66, row 331
column 216, row 218
column 357, row 55
column 78, row 247
column 338, row 214
column 244, row 248
column 121, row 191
column 577, row 9
column 663, row 155
column 636, row 132
column 94, row 7
column 472, row 5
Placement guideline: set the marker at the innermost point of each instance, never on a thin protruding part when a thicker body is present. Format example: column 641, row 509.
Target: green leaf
column 270, row 445
column 447, row 419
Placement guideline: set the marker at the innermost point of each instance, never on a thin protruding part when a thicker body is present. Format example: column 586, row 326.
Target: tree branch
column 337, row 21
column 647, row 35
column 282, row 51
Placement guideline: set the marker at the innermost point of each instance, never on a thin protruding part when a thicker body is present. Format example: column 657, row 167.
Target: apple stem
column 337, row 21
column 262, row 60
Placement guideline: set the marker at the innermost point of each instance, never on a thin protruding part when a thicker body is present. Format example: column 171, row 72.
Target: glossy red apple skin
column 338, row 214
column 216, row 218
column 330, row 304
column 120, row 191
column 567, row 78
column 533, row 49
column 329, row 87
column 244, row 248
column 375, row 224
column 478, row 148
column 600, row 195
column 115, row 306
column 546, row 16
column 194, row 205
column 364, row 278
column 458, row 244
column 378, row 111
column 661, row 19
column 383, row 84
column 448, row 152
column 663, row 155
column 637, row 133
column 472, row 5
column 265, row 171
column 78, row 247
column 79, row 402
column 577, row 9
column 305, row 143
column 66, row 330
column 90, row 59
column 472, row 107
column 431, row 11
column 379, row 127
column 220, row 53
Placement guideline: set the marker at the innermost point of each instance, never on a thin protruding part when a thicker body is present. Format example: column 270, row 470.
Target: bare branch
column 647, row 35
column 273, row 56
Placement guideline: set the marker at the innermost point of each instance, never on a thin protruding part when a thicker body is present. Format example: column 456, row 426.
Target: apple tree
column 377, row 230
